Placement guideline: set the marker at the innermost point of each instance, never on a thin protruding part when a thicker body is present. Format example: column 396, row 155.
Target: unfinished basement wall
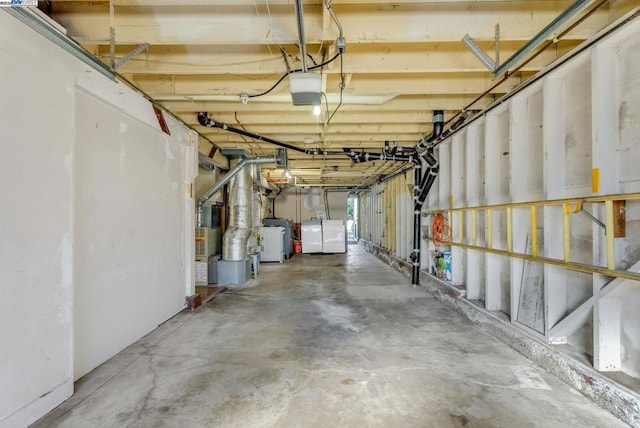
column 97, row 222
column 573, row 133
column 299, row 204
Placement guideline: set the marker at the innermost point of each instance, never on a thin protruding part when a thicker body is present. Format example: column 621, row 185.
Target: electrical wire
column 341, row 91
column 315, row 67
column 440, row 230
column 308, row 55
column 326, row 102
column 327, row 4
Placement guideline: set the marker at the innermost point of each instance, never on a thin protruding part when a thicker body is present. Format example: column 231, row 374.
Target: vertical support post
column 509, row 229
column 397, row 224
column 474, row 269
column 458, row 199
column 519, row 165
column 609, row 232
column 606, row 140
column 493, row 195
column 489, row 215
column 474, row 240
column 556, row 236
column 534, row 232
column 566, row 233
column 112, row 36
column 554, row 178
column 607, row 334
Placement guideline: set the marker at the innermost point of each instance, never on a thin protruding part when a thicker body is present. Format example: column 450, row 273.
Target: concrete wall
column 299, row 204
column 96, row 221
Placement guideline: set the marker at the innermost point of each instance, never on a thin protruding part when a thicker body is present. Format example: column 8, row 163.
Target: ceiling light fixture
column 316, row 110
column 305, row 88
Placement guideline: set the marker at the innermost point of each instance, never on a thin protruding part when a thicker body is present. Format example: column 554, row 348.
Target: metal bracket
column 580, row 209
column 497, row 44
column 130, row 55
column 479, row 53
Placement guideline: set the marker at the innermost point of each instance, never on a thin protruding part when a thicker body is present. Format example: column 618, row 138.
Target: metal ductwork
column 234, row 243
column 239, row 167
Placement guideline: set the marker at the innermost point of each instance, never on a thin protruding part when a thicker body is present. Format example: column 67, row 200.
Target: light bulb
column 316, row 110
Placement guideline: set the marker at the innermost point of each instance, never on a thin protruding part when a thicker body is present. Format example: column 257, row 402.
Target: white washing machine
column 334, row 236
column 311, row 236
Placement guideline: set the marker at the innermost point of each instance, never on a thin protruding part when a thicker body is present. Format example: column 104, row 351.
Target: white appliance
column 334, row 236
column 272, row 247
column 311, row 236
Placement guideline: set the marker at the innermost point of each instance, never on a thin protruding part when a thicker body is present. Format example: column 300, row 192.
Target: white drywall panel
column 533, row 146
column 577, row 114
column 628, row 249
column 130, row 260
column 36, row 233
column 204, row 181
column 630, row 332
column 629, row 112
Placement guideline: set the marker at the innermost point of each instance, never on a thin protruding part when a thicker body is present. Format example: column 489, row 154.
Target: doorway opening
column 352, row 219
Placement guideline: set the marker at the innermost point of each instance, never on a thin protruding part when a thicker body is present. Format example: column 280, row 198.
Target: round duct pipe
column 234, row 245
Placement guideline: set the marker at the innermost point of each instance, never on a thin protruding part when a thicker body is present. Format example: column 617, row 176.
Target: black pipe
column 204, row 120
column 423, row 180
column 424, row 190
column 208, row 122
column 358, row 157
column 438, row 126
column 415, row 254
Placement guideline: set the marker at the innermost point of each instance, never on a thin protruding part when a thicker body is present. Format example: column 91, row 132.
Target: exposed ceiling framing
column 402, row 60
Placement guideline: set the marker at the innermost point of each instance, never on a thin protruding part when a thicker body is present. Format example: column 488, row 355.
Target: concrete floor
column 323, row 341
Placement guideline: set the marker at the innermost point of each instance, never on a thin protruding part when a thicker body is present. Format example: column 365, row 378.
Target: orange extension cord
column 440, row 230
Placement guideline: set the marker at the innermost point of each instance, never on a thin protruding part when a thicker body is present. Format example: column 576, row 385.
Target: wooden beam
column 427, row 57
column 362, row 84
column 400, row 103
column 238, row 23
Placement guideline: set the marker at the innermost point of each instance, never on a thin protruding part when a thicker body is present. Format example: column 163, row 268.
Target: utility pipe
column 303, row 44
column 421, row 185
column 204, row 120
column 359, row 157
column 228, row 176
column 234, row 241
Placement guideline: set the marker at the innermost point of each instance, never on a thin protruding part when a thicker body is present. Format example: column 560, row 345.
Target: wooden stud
column 566, row 232
column 534, row 232
column 509, row 230
column 609, row 226
column 619, row 223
